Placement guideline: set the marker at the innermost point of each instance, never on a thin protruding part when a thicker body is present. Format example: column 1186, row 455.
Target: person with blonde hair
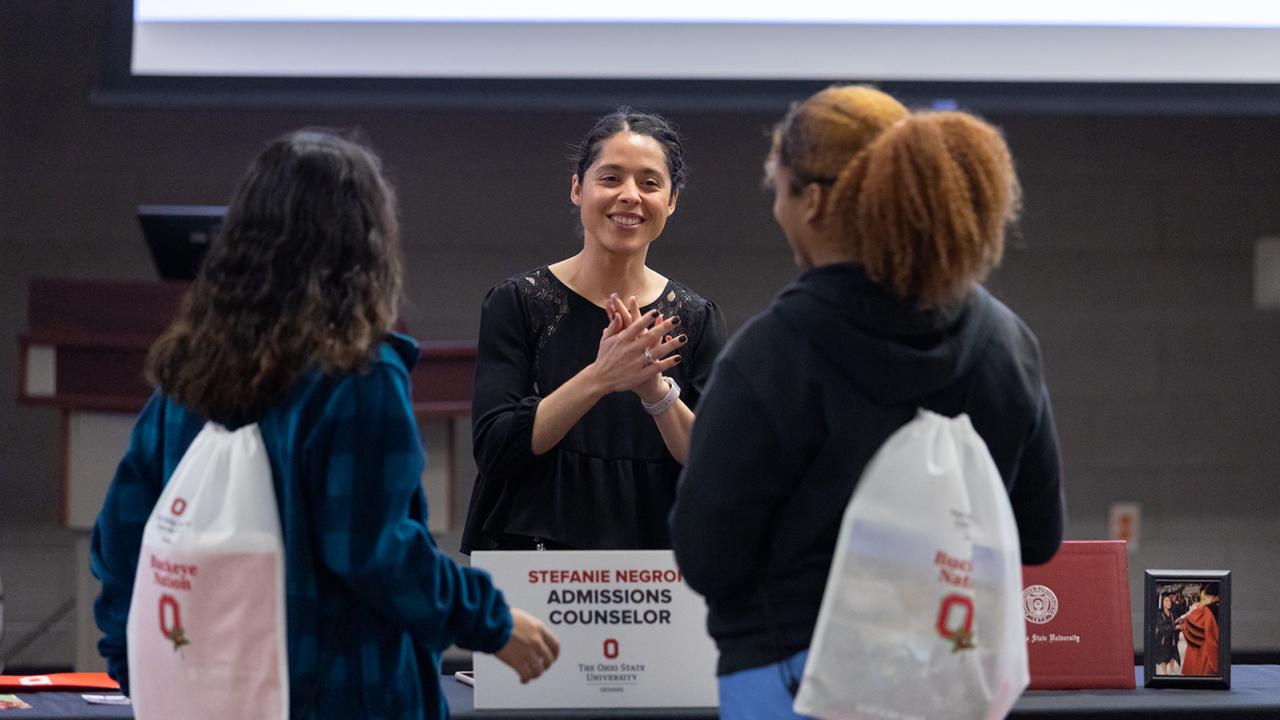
column 894, row 219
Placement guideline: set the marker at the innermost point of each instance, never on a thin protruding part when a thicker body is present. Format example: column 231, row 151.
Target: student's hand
column 531, row 649
column 632, row 349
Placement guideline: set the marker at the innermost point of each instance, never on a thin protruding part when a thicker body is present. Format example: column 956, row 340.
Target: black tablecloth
column 1254, row 693
column 50, row 705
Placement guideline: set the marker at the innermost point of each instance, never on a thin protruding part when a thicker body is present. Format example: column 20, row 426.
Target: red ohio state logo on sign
column 178, row 507
column 611, row 648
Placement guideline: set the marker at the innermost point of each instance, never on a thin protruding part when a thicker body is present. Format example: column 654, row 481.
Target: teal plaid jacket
column 371, row 600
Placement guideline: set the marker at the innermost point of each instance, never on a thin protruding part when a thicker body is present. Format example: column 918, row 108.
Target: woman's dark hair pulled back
column 624, row 119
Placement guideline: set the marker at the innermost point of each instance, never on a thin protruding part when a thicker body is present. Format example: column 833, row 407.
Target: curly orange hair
column 923, row 208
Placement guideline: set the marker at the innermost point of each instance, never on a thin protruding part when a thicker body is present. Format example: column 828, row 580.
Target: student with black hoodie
column 895, row 218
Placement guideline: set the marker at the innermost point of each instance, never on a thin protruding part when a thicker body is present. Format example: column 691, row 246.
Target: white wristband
column 661, row 406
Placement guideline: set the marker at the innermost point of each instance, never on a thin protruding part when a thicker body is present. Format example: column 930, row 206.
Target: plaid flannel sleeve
column 369, row 458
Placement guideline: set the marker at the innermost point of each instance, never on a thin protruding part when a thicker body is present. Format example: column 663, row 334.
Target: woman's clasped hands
column 635, row 349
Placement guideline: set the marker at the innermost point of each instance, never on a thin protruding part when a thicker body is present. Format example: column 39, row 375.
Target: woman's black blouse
column 610, row 483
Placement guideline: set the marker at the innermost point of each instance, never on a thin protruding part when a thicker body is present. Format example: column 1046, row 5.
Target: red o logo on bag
column 178, row 507
column 171, row 620
column 961, row 636
column 611, row 648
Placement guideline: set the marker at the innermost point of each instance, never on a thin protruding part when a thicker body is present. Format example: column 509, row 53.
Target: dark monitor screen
column 179, row 235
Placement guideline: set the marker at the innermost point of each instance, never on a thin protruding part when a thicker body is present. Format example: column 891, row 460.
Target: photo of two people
column 1187, row 629
column 1187, row 624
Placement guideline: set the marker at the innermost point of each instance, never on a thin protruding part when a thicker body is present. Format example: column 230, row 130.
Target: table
column 1254, row 693
column 52, row 705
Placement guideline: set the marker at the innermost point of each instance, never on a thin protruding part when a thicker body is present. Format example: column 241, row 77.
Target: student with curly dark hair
column 288, row 325
column 589, row 368
column 894, row 218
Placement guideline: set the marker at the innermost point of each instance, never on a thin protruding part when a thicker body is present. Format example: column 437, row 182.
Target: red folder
column 57, row 681
column 1079, row 628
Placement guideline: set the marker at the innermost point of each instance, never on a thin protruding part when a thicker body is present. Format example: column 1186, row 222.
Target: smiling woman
column 589, row 368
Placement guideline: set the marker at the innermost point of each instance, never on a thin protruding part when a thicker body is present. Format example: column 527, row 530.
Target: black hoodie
column 800, row 400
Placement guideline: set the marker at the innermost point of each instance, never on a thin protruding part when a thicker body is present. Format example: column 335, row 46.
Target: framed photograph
column 1187, row 629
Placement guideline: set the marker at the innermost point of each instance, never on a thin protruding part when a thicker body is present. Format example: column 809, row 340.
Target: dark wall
column 1133, row 263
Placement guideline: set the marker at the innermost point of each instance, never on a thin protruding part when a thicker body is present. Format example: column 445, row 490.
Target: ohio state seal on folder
column 1079, row 627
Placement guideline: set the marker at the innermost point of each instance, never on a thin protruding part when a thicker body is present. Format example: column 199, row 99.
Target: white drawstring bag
column 206, row 630
column 922, row 613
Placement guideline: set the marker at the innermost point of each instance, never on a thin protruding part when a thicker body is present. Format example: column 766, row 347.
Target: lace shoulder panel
column 546, row 304
column 692, row 308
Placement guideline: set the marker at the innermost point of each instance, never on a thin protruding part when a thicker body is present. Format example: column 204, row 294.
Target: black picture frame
column 1180, row 626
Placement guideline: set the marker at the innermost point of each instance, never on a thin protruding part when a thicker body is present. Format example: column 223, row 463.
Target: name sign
column 631, row 633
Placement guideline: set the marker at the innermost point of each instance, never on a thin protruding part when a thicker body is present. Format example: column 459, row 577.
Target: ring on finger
column 648, row 357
